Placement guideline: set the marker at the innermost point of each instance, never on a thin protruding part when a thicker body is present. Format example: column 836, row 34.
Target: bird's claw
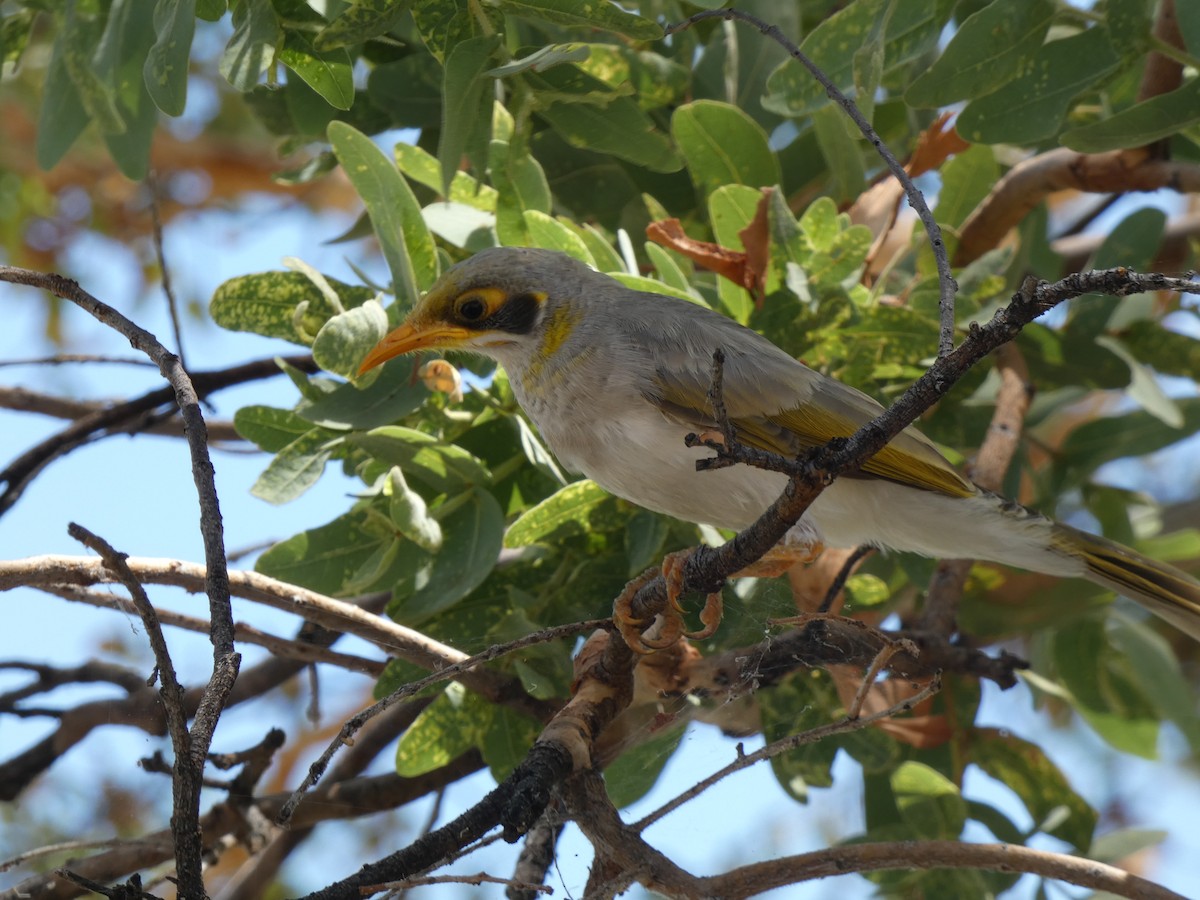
column 671, row 628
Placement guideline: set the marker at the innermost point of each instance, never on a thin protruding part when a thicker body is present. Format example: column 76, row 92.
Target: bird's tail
column 1166, row 591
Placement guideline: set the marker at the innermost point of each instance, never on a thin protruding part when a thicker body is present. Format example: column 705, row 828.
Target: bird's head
column 504, row 302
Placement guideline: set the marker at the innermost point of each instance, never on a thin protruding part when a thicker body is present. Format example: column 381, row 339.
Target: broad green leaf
column 447, row 728
column 567, row 512
column 345, row 339
column 644, row 538
column 586, row 112
column 666, row 268
column 423, row 167
column 361, row 21
column 658, row 81
column 631, row 775
column 395, row 215
column 392, row 396
column 461, row 225
column 410, row 514
column 1144, row 387
column 1134, row 434
column 211, row 10
column 722, row 145
column 166, row 69
column 507, row 740
column 913, row 28
column 324, row 558
column 1170, row 353
column 1153, row 664
column 966, row 180
column 1104, row 689
column 466, row 106
column 589, row 14
column 1188, row 17
column 989, row 49
column 841, row 152
column 296, row 467
column 1143, row 123
column 409, row 89
column 62, row 117
column 472, row 537
column 521, row 186
column 269, row 428
column 1025, row 769
column 256, row 34
column 326, row 72
column 650, row 286
column 547, row 232
column 80, row 34
column 929, row 802
column 444, row 467
column 280, row 304
column 1032, row 106
column 126, row 41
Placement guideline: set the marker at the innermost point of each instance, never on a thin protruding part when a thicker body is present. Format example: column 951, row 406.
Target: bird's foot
column 671, row 628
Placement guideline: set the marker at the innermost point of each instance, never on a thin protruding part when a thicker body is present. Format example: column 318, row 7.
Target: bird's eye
column 471, row 309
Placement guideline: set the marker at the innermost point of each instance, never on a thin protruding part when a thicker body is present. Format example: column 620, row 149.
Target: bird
column 615, row 379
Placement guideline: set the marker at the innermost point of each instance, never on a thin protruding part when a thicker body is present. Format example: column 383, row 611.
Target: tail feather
column 1164, row 590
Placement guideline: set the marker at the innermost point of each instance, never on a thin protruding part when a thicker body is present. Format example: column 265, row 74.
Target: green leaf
column 1144, row 387
column 631, row 775
column 988, row 50
column 447, row 728
column 326, row 72
column 507, row 740
column 929, row 802
column 522, row 186
column 166, row 69
column 324, row 559
column 256, row 34
column 722, row 145
column 392, row 396
column 269, row 428
column 589, row 14
column 80, row 35
column 62, row 117
column 547, row 232
column 1154, row 666
column 444, row 467
column 345, row 339
column 567, row 512
column 841, row 152
column 1025, row 769
column 1032, row 107
column 913, row 28
column 280, row 304
column 1143, row 123
column 395, row 215
column 296, row 467
column 423, row 167
column 361, row 21
column 118, row 59
column 1134, row 434
column 800, row 703
column 644, row 538
column 466, row 106
column 1104, row 689
column 588, row 113
column 966, row 180
column 410, row 89
column 730, row 209
column 472, row 536
column 1123, row 843
column 410, row 514
column 1188, row 16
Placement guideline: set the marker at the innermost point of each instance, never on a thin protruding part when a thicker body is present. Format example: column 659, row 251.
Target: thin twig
column 843, row 575
column 165, row 272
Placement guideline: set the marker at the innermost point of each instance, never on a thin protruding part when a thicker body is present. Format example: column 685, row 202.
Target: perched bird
column 616, row 378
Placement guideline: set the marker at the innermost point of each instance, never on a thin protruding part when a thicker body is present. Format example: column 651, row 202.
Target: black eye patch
column 517, row 316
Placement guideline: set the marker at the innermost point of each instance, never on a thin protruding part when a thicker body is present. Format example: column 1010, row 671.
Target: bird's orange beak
column 409, row 338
